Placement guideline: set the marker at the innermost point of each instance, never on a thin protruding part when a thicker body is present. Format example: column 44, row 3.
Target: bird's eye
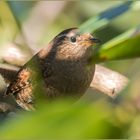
column 73, row 39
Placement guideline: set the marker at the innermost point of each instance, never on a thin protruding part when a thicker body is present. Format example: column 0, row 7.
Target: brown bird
column 60, row 69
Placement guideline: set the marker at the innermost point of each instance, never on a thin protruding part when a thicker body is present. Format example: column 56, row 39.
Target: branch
column 8, row 72
column 108, row 81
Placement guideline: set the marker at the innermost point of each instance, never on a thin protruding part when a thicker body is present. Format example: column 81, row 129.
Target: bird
column 59, row 69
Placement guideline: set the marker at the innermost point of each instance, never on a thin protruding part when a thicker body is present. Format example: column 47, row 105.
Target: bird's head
column 70, row 44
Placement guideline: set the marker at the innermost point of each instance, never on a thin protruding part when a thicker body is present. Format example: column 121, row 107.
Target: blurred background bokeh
column 27, row 26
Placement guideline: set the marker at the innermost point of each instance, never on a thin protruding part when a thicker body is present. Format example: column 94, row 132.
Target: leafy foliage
column 61, row 119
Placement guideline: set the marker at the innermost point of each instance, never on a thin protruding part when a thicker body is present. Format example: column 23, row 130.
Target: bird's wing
column 22, row 80
column 21, row 88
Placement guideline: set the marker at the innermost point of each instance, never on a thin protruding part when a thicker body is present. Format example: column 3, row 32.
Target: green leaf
column 8, row 26
column 121, row 47
column 105, row 17
column 125, row 46
column 63, row 120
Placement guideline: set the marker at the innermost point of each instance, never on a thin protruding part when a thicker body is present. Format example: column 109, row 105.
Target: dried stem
column 108, row 81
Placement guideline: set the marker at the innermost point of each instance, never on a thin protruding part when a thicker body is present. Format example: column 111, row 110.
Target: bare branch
column 13, row 54
column 108, row 81
column 8, row 72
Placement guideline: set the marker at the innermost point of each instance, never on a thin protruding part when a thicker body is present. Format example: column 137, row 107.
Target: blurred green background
column 26, row 26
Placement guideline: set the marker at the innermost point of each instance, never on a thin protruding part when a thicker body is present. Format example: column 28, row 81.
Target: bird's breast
column 70, row 77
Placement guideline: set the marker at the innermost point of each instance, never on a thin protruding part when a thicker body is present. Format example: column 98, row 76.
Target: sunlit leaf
column 8, row 25
column 63, row 120
column 105, row 17
column 122, row 47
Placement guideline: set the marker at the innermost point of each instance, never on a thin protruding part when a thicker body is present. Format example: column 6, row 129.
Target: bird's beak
column 95, row 40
